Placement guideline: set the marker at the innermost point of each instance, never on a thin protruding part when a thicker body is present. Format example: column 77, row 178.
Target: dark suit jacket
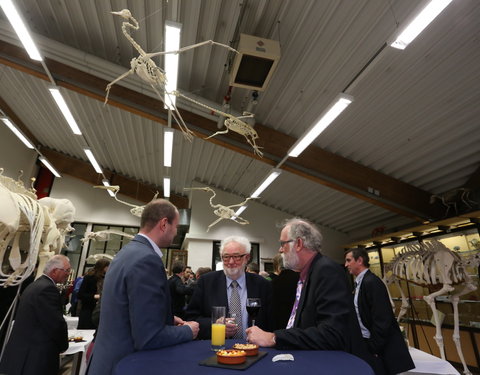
column 211, row 291
column 39, row 333
column 86, row 295
column 178, row 291
column 377, row 316
column 325, row 318
column 284, row 288
column 136, row 309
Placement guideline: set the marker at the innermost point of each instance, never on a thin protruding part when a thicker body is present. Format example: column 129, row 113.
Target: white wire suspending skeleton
column 232, row 123
column 147, row 70
column 224, row 212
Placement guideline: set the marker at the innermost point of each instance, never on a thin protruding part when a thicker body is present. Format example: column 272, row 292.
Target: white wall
column 263, row 228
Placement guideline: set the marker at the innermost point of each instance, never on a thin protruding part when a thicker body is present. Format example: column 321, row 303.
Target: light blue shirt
column 242, row 291
column 154, row 245
column 358, row 280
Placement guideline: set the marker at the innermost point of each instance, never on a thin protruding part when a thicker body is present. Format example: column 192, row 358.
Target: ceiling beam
column 314, row 163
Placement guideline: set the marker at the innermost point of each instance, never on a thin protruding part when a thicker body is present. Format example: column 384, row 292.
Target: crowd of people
column 306, row 302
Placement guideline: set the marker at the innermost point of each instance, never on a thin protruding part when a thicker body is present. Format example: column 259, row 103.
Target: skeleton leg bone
column 109, row 86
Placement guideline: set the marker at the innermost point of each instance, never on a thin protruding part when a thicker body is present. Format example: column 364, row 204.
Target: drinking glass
column 253, row 306
column 218, row 327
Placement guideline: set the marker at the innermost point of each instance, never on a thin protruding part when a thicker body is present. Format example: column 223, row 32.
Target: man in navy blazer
column 323, row 316
column 379, row 327
column 39, row 334
column 136, row 306
column 214, row 289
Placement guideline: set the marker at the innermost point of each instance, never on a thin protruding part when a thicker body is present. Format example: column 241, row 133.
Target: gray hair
column 238, row 239
column 57, row 261
column 307, row 231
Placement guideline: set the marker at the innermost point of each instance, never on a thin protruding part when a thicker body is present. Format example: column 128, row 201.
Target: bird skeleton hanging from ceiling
column 104, row 235
column 224, row 212
column 232, row 123
column 433, row 264
column 135, row 210
column 30, row 229
column 147, row 70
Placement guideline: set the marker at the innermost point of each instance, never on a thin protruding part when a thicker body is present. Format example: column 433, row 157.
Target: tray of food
column 240, row 357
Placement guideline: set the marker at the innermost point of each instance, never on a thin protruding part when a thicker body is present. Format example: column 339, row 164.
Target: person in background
column 253, row 268
column 323, row 316
column 379, row 327
column 179, row 290
column 40, row 333
column 217, row 289
column 284, row 287
column 136, row 310
column 89, row 293
column 202, row 271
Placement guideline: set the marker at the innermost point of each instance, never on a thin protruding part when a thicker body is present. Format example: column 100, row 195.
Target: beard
column 290, row 260
column 234, row 273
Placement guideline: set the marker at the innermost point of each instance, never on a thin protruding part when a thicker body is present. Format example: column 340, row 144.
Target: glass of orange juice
column 218, row 327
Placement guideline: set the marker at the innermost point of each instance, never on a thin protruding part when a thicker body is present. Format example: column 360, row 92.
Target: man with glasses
column 322, row 317
column 221, row 288
column 40, row 333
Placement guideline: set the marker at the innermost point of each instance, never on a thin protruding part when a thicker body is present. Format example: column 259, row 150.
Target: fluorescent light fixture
column 166, row 187
column 172, row 43
column 167, row 147
column 326, row 118
column 270, row 178
column 105, row 182
column 92, row 159
column 17, row 132
column 57, row 95
column 419, row 23
column 47, row 164
column 239, row 212
column 20, row 28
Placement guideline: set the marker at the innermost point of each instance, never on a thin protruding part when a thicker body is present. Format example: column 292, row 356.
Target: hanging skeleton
column 147, row 70
column 432, row 264
column 104, row 235
column 232, row 123
column 136, row 210
column 30, row 229
column 224, row 212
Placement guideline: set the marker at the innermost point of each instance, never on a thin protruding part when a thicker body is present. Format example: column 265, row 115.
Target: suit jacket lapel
column 305, row 288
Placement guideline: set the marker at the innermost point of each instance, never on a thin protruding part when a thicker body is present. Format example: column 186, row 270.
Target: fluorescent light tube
column 239, row 212
column 172, row 43
column 326, row 118
column 17, row 132
column 47, row 164
column 167, row 147
column 271, row 177
column 419, row 23
column 20, row 28
column 57, row 95
column 166, row 187
column 105, row 182
column 92, row 159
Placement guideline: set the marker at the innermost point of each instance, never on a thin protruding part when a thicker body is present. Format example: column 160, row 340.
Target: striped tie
column 291, row 320
column 236, row 308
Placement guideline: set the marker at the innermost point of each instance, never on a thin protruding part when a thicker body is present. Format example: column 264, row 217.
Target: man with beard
column 323, row 316
column 219, row 289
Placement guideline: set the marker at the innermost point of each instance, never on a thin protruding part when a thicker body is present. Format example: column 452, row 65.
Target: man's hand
column 230, row 329
column 194, row 327
column 257, row 336
column 178, row 321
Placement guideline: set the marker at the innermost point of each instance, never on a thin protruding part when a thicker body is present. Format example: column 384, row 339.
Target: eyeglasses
column 68, row 270
column 283, row 243
column 226, row 258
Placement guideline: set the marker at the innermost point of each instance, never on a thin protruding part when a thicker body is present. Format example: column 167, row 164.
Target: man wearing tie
column 379, row 327
column 230, row 288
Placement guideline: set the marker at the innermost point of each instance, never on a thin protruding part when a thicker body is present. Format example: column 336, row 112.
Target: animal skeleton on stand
column 147, row 70
column 223, row 212
column 433, row 264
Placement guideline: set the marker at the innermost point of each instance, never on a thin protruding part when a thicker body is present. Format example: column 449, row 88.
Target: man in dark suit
column 179, row 290
column 215, row 289
column 379, row 327
column 322, row 317
column 39, row 333
column 136, row 309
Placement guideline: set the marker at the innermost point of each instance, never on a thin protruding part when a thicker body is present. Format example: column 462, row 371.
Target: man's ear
column 247, row 257
column 298, row 244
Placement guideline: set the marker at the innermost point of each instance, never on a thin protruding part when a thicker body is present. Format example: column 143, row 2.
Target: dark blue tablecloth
column 184, row 359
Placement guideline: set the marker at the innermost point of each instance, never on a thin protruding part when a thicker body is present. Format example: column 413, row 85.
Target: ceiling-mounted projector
column 254, row 65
